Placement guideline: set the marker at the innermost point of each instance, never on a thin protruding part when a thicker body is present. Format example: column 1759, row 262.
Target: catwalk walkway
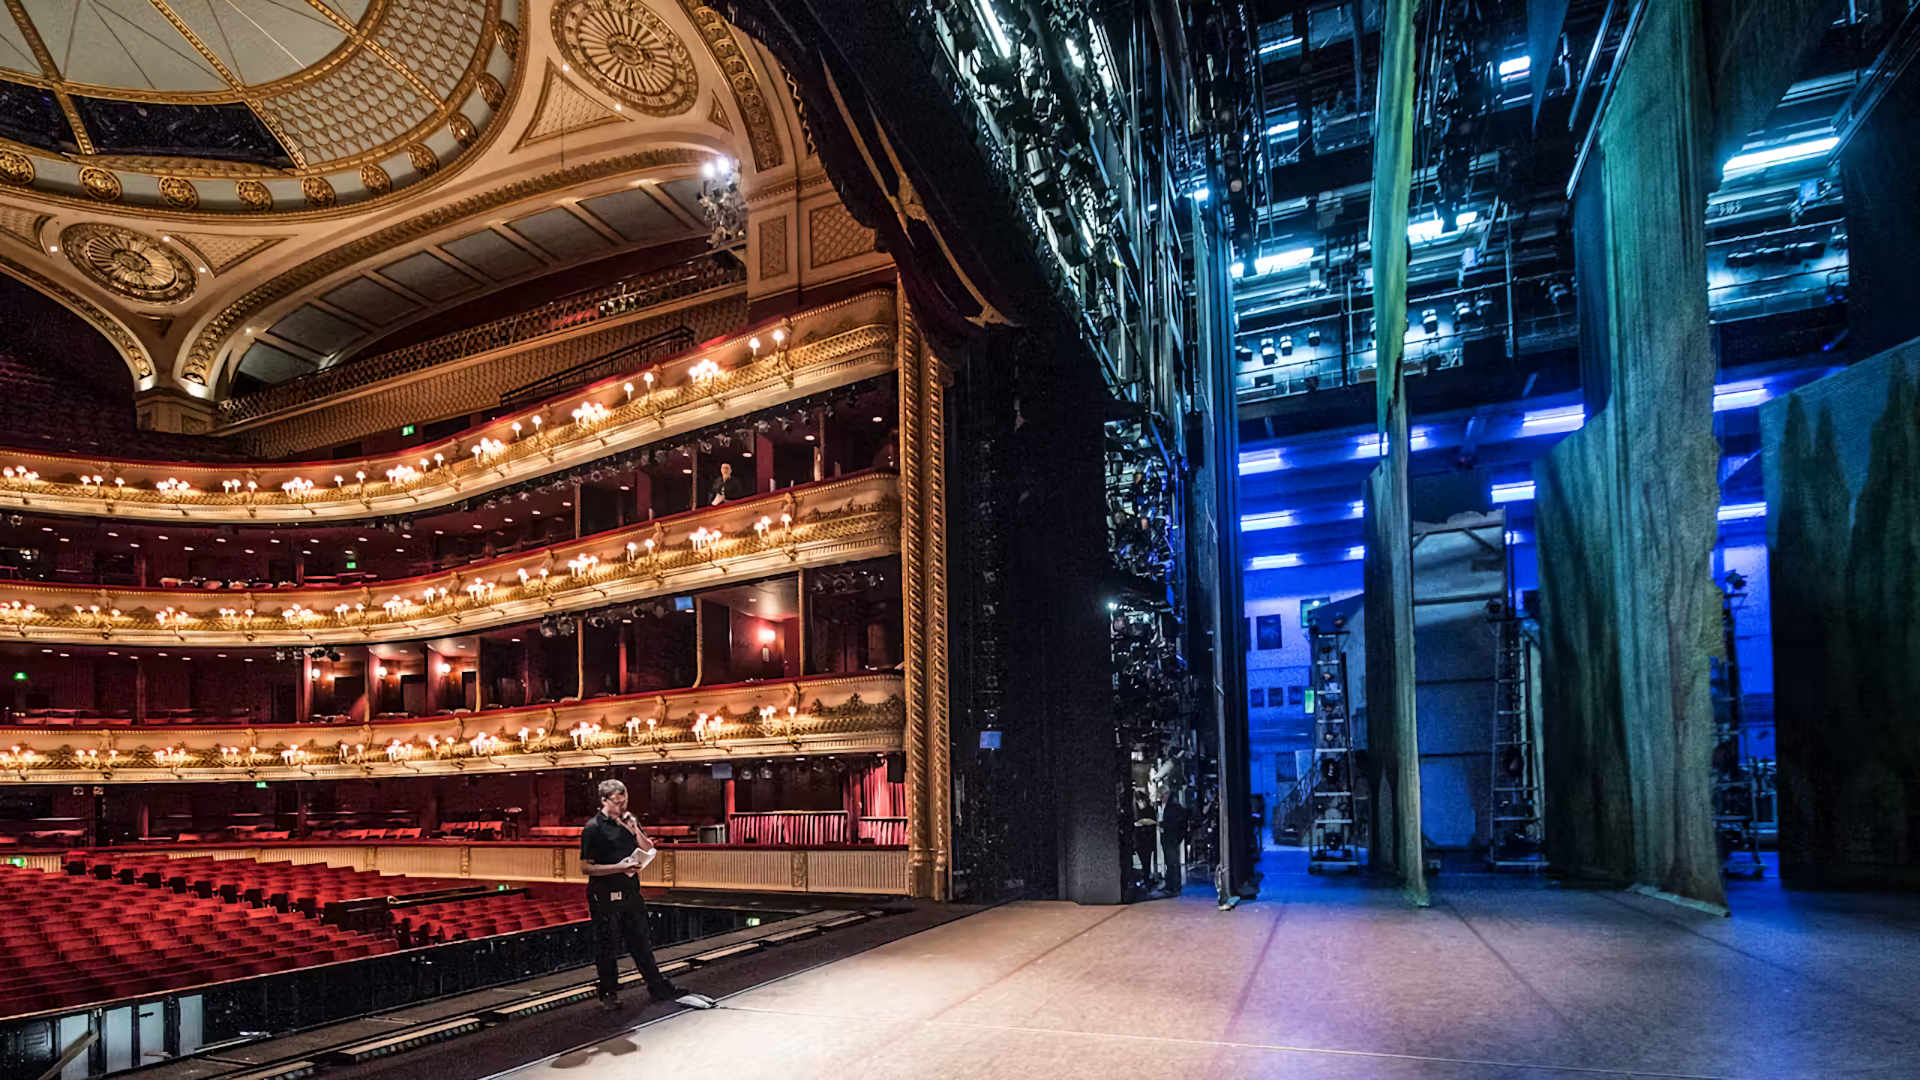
column 1328, row 979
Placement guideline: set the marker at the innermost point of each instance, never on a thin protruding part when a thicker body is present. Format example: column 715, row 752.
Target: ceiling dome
column 212, row 100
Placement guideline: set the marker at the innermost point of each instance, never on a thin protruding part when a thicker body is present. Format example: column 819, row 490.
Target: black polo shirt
column 604, row 841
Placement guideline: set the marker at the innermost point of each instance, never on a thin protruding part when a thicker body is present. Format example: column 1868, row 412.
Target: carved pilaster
column 920, row 857
column 933, row 482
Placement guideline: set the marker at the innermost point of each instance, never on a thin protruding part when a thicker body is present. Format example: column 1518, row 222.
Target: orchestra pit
column 959, row 538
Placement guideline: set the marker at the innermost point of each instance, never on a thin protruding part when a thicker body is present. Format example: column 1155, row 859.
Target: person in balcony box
column 726, row 488
column 613, row 851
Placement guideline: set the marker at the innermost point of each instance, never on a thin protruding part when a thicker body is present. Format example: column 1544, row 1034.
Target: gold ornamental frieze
column 627, row 51
column 861, row 713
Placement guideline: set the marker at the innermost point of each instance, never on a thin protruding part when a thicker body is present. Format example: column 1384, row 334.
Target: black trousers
column 1176, row 871
column 624, row 922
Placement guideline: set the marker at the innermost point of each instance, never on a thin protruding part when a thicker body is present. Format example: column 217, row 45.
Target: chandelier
column 720, row 199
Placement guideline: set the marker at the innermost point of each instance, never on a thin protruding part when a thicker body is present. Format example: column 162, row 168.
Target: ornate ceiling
column 287, row 180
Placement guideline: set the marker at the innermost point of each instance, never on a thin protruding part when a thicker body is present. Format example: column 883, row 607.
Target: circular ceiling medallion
column 100, row 184
column 133, row 264
column 179, row 193
column 253, row 195
column 422, row 157
column 15, row 168
column 629, row 52
column 375, row 179
column 491, row 91
column 319, row 193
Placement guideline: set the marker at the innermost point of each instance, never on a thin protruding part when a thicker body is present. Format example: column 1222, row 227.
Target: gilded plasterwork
column 15, row 168
column 422, row 158
column 22, row 225
column 253, row 195
column 317, row 191
column 747, row 95
column 132, row 264
column 717, row 115
column 406, row 68
column 222, row 253
column 100, row 184
column 375, row 179
column 626, row 50
column 563, row 109
column 179, row 193
column 834, row 235
column 773, row 247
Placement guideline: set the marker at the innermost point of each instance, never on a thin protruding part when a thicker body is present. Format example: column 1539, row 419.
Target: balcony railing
column 816, row 715
column 825, row 347
column 628, row 295
column 818, row 524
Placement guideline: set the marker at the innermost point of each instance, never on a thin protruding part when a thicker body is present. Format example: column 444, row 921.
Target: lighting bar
column 1283, row 260
column 1357, row 551
column 1375, row 445
column 1425, row 230
column 1278, row 45
column 1740, row 396
column 1201, row 194
column 1273, row 562
column 1357, row 508
column 1548, row 421
column 1778, row 155
column 1519, row 491
column 1515, row 68
column 1261, row 461
column 1742, row 511
column 1279, row 519
column 1284, row 127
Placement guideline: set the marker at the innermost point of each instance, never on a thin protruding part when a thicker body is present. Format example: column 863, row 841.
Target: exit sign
column 408, row 430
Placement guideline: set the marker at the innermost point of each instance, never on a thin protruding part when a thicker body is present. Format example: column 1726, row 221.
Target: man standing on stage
column 612, row 852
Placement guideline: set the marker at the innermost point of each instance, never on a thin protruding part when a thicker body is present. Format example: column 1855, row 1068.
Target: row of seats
column 70, row 940
column 308, row 888
column 300, row 887
column 484, row 917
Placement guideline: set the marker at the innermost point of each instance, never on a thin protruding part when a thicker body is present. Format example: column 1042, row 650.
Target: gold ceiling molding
column 253, row 195
column 375, row 179
column 717, row 115
column 179, row 193
column 206, row 345
column 99, row 184
column 747, row 96
column 491, row 91
column 131, row 350
column 317, row 191
column 132, row 264
column 16, row 159
column 627, row 51
column 222, row 253
column 23, row 225
column 563, row 109
column 16, row 168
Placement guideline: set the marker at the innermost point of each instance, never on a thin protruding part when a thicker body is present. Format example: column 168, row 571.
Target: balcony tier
column 823, row 348
column 834, row 521
column 825, row 714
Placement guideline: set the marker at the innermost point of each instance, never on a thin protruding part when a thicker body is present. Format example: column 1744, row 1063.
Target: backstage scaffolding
column 1332, row 838
column 1735, row 777
column 1515, row 794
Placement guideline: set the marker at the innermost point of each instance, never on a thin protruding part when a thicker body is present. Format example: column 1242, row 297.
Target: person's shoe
column 610, row 1002
column 697, row 1001
column 665, row 993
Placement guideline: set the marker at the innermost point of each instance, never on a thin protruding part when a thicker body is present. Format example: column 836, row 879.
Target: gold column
column 920, row 858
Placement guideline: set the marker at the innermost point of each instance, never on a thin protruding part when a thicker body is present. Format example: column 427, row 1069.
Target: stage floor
column 1330, row 979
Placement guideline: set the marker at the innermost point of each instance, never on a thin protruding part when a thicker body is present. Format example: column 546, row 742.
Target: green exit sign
column 259, row 783
column 408, row 430
column 17, row 860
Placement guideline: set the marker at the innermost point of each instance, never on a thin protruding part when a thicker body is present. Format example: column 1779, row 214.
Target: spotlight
column 1430, row 321
column 1313, row 337
column 1286, row 346
column 1266, row 350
